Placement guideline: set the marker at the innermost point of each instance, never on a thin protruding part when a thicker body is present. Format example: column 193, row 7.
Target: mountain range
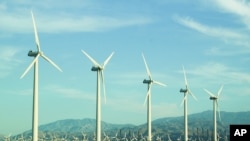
column 200, row 124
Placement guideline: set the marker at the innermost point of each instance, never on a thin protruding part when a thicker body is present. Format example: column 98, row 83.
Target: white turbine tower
column 149, row 82
column 99, row 69
column 216, row 108
column 186, row 92
column 36, row 55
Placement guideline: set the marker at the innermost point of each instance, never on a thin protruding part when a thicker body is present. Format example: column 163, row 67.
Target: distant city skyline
column 209, row 38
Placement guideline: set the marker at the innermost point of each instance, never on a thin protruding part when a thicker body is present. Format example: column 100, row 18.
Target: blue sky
column 210, row 38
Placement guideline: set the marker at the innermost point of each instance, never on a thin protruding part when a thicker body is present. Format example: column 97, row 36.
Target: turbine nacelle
column 213, row 98
column 32, row 53
column 145, row 81
column 94, row 68
column 183, row 90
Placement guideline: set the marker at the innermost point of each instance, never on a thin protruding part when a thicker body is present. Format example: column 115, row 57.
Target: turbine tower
column 36, row 55
column 99, row 69
column 216, row 108
column 186, row 91
column 149, row 82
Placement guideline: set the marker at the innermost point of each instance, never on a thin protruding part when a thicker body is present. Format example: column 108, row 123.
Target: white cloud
column 70, row 92
column 226, row 52
column 221, row 73
column 211, row 31
column 228, row 35
column 7, row 54
column 88, row 23
column 63, row 23
column 18, row 19
column 17, row 22
column 237, row 7
column 21, row 92
column 48, row 4
column 8, row 60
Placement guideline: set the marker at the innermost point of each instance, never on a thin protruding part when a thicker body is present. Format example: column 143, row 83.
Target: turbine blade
column 107, row 60
column 185, row 77
column 148, row 93
column 208, row 92
column 103, row 85
column 91, row 59
column 184, row 99
column 51, row 62
column 29, row 67
column 219, row 92
column 148, row 71
column 36, row 35
column 190, row 92
column 159, row 83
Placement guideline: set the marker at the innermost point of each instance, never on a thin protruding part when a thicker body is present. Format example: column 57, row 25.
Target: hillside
column 200, row 124
column 79, row 125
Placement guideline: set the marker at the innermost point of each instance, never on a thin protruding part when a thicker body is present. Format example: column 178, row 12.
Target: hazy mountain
column 80, row 125
column 200, row 124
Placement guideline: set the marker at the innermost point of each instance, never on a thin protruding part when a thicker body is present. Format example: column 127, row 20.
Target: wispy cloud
column 221, row 73
column 228, row 35
column 70, row 92
column 18, row 20
column 21, row 92
column 240, row 8
column 8, row 60
column 226, row 52
column 88, row 23
column 208, row 30
column 14, row 20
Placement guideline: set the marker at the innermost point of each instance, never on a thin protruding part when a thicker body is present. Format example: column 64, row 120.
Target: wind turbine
column 84, row 136
column 158, row 138
column 99, row 69
column 169, row 139
column 64, row 138
column 21, row 138
column 216, row 108
column 149, row 82
column 7, row 138
column 106, row 137
column 115, row 137
column 133, row 137
column 124, row 138
column 36, row 55
column 186, row 91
